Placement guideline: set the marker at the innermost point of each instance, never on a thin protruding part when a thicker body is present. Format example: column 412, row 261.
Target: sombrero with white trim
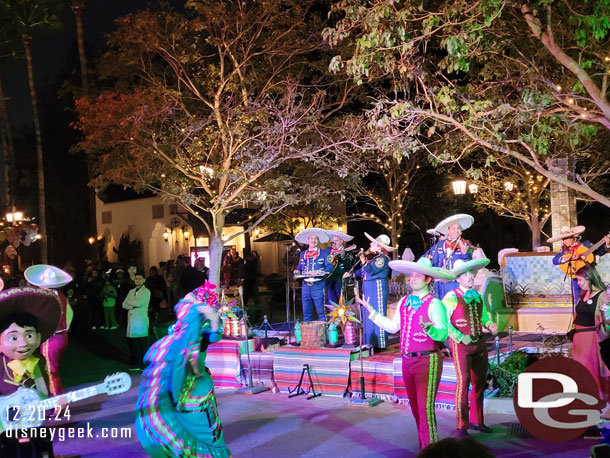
column 383, row 240
column 464, row 220
column 460, row 266
column 46, row 276
column 302, row 236
column 422, row 266
column 342, row 235
column 41, row 303
column 567, row 232
column 434, row 233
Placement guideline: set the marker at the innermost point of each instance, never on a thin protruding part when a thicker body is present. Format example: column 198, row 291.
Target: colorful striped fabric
column 330, row 368
column 378, row 375
column 445, row 397
column 223, row 361
column 262, row 368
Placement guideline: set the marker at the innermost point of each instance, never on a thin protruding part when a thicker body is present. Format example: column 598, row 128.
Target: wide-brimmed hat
column 41, row 303
column 342, row 235
column 46, row 276
column 434, row 233
column 383, row 240
column 567, row 232
column 302, row 236
column 422, row 266
column 460, row 266
column 464, row 220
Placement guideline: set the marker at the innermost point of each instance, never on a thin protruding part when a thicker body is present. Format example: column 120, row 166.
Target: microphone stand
column 362, row 401
column 250, row 389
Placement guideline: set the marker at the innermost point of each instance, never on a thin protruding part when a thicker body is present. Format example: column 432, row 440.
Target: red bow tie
column 334, row 251
column 311, row 253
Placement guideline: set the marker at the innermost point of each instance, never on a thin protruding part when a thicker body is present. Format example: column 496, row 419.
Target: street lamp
column 459, row 187
column 473, row 188
column 186, row 233
column 14, row 216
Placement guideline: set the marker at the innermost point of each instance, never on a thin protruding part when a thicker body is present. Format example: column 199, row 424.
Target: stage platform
column 336, row 371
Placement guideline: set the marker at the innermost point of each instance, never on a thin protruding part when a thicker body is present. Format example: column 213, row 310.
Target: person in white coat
column 136, row 303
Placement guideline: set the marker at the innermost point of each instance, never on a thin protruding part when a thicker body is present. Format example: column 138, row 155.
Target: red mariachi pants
column 52, row 350
column 422, row 375
column 470, row 366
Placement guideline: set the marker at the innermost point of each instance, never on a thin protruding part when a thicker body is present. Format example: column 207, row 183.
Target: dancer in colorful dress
column 422, row 322
column 52, row 278
column 374, row 273
column 467, row 317
column 313, row 267
column 176, row 413
column 450, row 248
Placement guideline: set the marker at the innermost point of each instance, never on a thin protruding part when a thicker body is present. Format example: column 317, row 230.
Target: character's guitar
column 25, row 409
column 585, row 256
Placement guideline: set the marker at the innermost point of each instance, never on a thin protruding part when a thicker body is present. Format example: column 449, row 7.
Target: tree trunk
column 394, row 238
column 77, row 8
column 216, row 247
column 9, row 151
column 534, row 225
column 42, row 216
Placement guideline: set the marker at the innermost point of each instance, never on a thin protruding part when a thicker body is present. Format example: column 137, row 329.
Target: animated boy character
column 28, row 317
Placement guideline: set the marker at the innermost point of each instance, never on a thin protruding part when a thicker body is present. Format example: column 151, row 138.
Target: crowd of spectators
column 99, row 289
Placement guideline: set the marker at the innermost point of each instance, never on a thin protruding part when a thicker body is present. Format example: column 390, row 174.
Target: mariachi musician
column 575, row 253
column 467, row 319
column 450, row 248
column 313, row 267
column 374, row 273
column 342, row 260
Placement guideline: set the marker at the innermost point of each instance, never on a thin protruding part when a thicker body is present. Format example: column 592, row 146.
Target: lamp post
column 17, row 230
column 459, row 187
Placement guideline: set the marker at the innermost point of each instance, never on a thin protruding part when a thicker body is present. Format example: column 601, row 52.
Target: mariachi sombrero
column 45, row 276
column 383, row 240
column 460, row 266
column 464, row 220
column 302, row 236
column 422, row 266
column 567, row 232
column 342, row 235
column 41, row 303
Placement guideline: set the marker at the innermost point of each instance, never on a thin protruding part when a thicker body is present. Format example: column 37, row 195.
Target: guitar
column 585, row 256
column 25, row 409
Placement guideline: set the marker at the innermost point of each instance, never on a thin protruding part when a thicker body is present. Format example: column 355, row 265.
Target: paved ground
column 270, row 425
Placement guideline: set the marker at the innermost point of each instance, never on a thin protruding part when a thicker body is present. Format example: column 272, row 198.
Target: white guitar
column 25, row 409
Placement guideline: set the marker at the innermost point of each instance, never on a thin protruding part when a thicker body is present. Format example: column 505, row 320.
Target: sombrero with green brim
column 46, row 276
column 460, row 266
column 43, row 304
column 422, row 266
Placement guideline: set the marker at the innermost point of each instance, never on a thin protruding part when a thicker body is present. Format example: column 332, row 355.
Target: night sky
column 54, row 51
column 51, row 50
